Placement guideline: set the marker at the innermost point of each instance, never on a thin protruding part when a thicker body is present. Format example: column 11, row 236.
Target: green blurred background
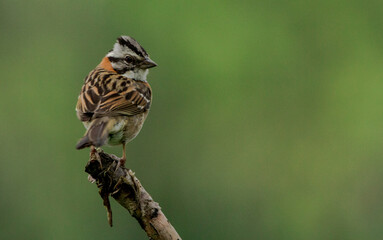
column 266, row 121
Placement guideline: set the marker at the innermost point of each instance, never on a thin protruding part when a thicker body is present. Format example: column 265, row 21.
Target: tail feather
column 83, row 143
column 97, row 133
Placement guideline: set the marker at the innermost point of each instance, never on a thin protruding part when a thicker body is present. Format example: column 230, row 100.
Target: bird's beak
column 148, row 63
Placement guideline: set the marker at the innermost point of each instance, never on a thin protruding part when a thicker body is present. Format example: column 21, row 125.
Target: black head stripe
column 122, row 70
column 114, row 59
column 133, row 45
column 143, row 50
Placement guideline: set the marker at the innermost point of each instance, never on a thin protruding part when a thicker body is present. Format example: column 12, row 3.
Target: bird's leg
column 122, row 161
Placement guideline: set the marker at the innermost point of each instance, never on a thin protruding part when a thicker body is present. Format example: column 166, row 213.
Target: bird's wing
column 113, row 95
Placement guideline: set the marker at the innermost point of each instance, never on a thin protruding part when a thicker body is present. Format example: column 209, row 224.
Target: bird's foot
column 121, row 163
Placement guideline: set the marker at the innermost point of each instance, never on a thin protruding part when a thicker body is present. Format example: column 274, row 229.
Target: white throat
column 138, row 74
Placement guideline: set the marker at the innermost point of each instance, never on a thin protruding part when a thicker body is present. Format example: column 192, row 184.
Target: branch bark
column 126, row 189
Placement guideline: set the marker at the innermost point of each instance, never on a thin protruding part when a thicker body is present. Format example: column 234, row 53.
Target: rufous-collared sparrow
column 115, row 98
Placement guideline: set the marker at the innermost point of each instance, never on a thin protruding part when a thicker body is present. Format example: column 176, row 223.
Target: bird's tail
column 97, row 133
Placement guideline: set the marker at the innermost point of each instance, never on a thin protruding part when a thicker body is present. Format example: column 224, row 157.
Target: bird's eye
column 129, row 59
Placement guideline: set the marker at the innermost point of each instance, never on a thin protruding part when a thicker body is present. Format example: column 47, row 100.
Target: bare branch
column 127, row 190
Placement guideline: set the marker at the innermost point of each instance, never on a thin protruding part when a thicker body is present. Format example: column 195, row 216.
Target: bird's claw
column 121, row 163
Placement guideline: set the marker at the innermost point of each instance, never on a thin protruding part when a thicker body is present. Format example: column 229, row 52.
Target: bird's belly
column 128, row 128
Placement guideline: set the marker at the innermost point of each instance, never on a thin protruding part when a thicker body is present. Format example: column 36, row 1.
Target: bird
column 115, row 98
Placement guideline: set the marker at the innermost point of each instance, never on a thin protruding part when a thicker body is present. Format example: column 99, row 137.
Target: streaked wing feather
column 129, row 100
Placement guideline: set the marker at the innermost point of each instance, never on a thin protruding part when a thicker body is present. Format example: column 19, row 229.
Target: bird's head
column 129, row 59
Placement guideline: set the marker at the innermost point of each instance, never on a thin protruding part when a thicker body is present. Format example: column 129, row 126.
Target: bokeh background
column 267, row 118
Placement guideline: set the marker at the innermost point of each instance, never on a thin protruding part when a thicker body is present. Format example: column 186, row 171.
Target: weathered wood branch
column 127, row 190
